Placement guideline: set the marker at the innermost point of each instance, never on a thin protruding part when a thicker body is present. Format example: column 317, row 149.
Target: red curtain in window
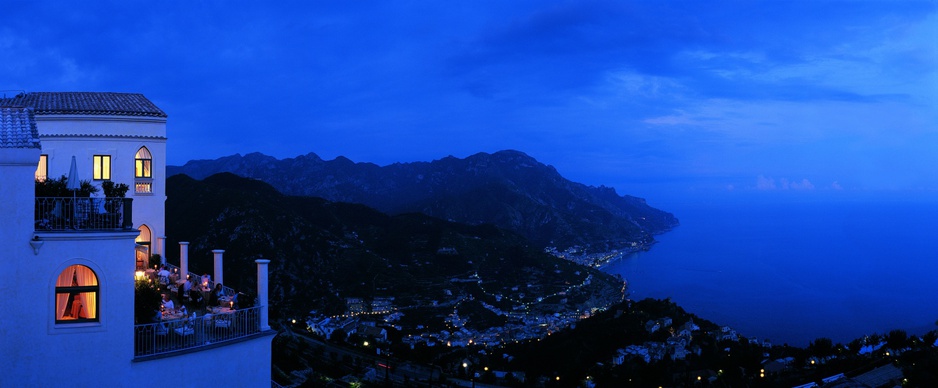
column 71, row 304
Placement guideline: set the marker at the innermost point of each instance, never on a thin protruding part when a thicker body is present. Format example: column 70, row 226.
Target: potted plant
column 146, row 301
column 155, row 260
column 55, row 187
column 113, row 193
column 55, row 207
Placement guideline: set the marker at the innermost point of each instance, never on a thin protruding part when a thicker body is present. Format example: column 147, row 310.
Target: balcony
column 83, row 214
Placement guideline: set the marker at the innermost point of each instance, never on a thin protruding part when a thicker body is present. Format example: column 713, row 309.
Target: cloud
column 764, row 183
column 803, row 185
column 836, row 186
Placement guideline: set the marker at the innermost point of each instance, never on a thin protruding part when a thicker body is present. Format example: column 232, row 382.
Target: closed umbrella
column 73, row 184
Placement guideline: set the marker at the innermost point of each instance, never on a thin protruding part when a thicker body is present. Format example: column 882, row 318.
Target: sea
column 792, row 268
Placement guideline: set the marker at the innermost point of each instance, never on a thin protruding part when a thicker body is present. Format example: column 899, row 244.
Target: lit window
column 42, row 170
column 143, row 164
column 143, row 187
column 102, row 167
column 76, row 295
column 143, row 247
column 144, row 237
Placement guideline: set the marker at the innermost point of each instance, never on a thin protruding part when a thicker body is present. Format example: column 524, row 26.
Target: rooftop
column 85, row 103
column 18, row 128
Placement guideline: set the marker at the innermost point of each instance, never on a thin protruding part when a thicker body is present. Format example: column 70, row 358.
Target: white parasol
column 73, row 184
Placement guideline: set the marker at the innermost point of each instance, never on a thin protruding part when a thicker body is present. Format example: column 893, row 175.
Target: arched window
column 143, row 247
column 143, row 172
column 144, row 237
column 76, row 295
column 42, row 170
column 143, row 164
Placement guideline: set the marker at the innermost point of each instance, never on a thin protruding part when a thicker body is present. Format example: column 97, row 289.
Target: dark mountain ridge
column 322, row 251
column 508, row 189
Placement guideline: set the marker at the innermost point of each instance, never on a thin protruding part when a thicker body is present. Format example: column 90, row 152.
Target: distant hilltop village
column 84, row 232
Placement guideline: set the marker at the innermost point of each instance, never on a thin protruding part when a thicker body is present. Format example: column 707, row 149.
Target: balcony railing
column 192, row 332
column 143, row 186
column 63, row 213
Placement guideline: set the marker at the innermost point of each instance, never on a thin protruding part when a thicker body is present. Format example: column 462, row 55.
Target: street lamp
column 471, row 375
column 387, row 365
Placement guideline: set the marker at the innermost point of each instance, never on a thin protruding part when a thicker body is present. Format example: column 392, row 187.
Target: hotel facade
column 68, row 292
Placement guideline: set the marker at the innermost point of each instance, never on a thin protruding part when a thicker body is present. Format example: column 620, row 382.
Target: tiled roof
column 85, row 103
column 18, row 128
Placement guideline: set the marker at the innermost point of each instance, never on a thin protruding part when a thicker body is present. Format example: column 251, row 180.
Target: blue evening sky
column 653, row 98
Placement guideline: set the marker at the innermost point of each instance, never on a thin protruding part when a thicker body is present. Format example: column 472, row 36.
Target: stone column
column 217, row 253
column 262, row 291
column 161, row 248
column 183, row 259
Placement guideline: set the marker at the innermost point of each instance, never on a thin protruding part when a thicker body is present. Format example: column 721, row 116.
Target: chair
column 161, row 329
column 160, row 339
column 223, row 321
column 185, row 330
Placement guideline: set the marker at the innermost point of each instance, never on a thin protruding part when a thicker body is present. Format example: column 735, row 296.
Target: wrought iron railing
column 63, row 213
column 195, row 331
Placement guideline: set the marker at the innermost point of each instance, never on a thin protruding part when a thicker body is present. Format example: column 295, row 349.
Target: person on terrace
column 183, row 290
column 216, row 295
column 163, row 275
column 168, row 303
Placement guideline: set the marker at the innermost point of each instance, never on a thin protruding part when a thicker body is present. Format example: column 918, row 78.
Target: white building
column 119, row 137
column 68, row 287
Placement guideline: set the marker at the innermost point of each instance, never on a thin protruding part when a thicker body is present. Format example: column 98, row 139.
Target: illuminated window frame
column 145, row 235
column 102, row 167
column 143, row 163
column 42, row 170
column 77, row 298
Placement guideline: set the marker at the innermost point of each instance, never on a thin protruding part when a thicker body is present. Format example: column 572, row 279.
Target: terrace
column 236, row 317
column 193, row 332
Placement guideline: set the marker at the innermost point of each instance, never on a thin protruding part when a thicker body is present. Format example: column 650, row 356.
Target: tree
column 855, row 345
column 146, row 301
column 154, row 261
column 897, row 339
column 821, row 347
column 929, row 339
